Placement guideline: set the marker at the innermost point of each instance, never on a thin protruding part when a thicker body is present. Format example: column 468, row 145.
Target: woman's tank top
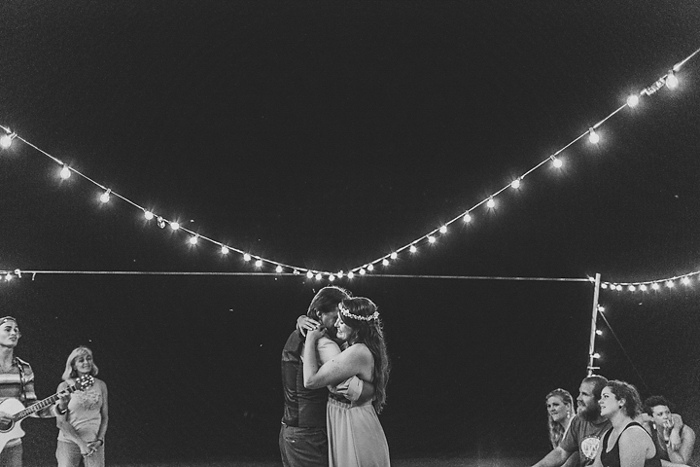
column 612, row 458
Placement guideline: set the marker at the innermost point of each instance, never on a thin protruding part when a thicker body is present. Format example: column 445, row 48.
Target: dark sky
column 325, row 135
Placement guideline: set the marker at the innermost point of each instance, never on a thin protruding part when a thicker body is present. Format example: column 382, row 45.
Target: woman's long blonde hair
column 556, row 431
column 70, row 372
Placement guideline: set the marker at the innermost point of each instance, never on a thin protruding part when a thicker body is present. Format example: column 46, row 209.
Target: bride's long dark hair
column 369, row 331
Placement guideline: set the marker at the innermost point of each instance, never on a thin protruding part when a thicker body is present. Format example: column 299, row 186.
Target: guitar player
column 16, row 382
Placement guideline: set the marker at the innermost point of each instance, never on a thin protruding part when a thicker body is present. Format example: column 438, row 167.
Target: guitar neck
column 42, row 404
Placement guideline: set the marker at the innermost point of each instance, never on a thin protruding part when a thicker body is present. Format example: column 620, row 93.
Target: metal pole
column 594, row 318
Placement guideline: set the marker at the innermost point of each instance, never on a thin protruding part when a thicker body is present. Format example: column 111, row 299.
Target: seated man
column 674, row 441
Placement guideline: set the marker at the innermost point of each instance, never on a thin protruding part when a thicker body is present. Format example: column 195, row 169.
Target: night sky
column 325, row 135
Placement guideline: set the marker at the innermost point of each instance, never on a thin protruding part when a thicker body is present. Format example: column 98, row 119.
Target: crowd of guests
column 79, row 405
column 613, row 428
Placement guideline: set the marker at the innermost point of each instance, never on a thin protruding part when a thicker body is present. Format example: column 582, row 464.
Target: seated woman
column 355, row 436
column 627, row 443
column 672, row 452
column 560, row 411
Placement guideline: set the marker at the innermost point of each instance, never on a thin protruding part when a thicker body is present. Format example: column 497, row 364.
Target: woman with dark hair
column 663, row 426
column 82, row 416
column 355, row 436
column 627, row 443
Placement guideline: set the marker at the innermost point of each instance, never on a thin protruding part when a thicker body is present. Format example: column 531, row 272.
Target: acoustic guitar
column 13, row 430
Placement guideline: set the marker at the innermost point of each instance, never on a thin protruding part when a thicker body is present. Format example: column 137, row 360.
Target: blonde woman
column 82, row 416
column 560, row 410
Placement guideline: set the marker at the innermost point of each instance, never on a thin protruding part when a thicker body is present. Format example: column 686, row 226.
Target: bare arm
column 555, row 458
column 685, row 449
column 348, row 363
column 634, row 446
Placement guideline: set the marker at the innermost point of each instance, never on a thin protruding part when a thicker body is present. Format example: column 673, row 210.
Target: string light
column 656, row 285
column 319, row 276
column 6, row 141
column 670, row 80
column 246, row 257
column 385, row 262
column 193, row 240
column 593, row 137
column 309, row 274
column 104, row 197
column 258, row 263
column 65, row 172
column 279, row 269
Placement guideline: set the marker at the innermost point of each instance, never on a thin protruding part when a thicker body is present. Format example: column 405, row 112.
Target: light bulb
column 490, row 203
column 670, row 284
column 5, row 141
column 655, row 286
column 632, row 101
column 593, row 137
column 394, row 255
column 599, row 332
column 224, row 250
column 331, row 277
column 596, row 355
column 351, row 275
column 643, row 288
column 370, row 267
column 556, row 162
column 631, row 288
column 246, row 257
column 385, row 262
column 309, row 274
column 413, row 249
column 431, row 238
column 363, row 272
column 258, row 263
column 443, row 229
column 148, row 215
column 104, row 197
column 193, row 240
column 341, row 274
column 65, row 172
column 671, row 80
column 515, row 184
column 174, row 225
column 319, row 276
column 278, row 269
column 685, row 281
column 467, row 218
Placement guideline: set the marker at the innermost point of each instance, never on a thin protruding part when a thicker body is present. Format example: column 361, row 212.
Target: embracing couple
column 334, row 373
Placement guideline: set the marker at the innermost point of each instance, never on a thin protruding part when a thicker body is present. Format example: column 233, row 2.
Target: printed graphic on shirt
column 589, row 448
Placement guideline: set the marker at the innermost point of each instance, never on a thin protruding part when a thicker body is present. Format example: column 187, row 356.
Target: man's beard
column 590, row 414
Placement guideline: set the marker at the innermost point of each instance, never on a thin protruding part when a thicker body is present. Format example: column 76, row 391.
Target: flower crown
column 345, row 312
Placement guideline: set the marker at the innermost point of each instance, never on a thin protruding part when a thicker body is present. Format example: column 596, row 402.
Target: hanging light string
column 669, row 80
column 9, row 275
column 668, row 283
